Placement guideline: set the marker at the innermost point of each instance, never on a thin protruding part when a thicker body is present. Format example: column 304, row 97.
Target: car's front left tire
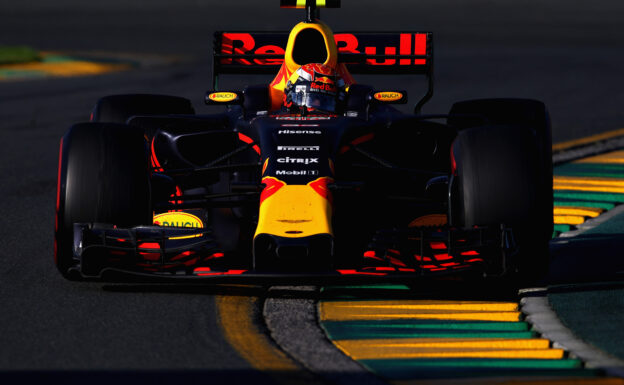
column 103, row 177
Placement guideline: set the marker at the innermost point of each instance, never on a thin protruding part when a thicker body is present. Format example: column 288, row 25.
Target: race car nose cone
column 275, row 253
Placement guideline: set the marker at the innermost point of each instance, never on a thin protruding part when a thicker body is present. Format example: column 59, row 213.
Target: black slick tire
column 103, row 177
column 532, row 115
column 498, row 181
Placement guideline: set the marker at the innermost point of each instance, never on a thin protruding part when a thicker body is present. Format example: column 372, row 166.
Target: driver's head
column 314, row 87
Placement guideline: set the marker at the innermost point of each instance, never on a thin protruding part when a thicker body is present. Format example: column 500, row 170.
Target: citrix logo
column 290, row 160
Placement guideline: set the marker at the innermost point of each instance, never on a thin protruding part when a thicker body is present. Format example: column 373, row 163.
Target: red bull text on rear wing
column 370, row 53
column 362, row 52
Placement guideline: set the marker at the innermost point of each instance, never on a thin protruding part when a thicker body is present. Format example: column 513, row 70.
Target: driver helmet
column 314, row 87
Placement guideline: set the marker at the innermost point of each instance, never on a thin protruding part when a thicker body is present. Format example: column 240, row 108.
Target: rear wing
column 252, row 53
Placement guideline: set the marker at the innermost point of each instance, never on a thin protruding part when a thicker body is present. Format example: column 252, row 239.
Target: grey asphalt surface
column 568, row 54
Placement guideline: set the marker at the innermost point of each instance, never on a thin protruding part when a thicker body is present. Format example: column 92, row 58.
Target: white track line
column 293, row 324
column 545, row 321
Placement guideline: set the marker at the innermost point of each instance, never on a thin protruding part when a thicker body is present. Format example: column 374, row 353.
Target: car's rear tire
column 499, row 180
column 119, row 108
column 103, row 177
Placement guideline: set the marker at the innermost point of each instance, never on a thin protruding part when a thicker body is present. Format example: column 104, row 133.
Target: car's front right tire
column 499, row 181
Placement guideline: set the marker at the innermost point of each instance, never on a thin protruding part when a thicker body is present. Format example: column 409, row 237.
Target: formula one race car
column 311, row 174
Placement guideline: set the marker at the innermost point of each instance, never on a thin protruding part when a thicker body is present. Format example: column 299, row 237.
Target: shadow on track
column 492, row 290
column 197, row 289
column 588, row 257
column 139, row 377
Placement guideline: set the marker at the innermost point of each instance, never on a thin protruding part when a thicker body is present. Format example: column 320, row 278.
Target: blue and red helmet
column 314, row 87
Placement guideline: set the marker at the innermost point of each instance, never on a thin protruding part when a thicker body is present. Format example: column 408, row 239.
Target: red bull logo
column 324, row 79
column 398, row 44
column 324, row 87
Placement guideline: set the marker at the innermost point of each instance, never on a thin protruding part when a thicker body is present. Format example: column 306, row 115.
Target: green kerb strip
column 561, row 229
column 588, row 196
column 434, row 324
column 477, row 363
column 590, row 170
column 364, row 292
column 58, row 59
column 354, row 330
column 580, row 203
column 365, row 287
column 374, row 334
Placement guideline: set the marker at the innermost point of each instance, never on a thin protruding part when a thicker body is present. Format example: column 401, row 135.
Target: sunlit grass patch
column 18, row 54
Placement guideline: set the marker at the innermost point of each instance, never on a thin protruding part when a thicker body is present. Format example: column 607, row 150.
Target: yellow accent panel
column 612, row 182
column 589, row 139
column 568, row 220
column 610, row 157
column 177, row 219
column 447, row 343
column 223, row 97
column 368, row 353
column 448, row 348
column 388, row 96
column 433, row 305
column 578, row 211
column 295, row 211
column 379, row 310
column 301, row 3
column 330, row 45
column 581, row 187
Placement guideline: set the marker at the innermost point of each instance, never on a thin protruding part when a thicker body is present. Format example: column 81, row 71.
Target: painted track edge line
column 294, row 326
column 587, row 150
column 242, row 327
column 544, row 320
column 575, row 143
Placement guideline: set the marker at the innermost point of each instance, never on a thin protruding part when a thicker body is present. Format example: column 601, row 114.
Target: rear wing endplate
column 257, row 53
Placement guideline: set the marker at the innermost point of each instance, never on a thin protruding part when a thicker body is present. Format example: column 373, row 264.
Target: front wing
column 154, row 253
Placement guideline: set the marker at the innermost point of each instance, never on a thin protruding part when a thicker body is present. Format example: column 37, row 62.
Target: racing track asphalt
column 567, row 54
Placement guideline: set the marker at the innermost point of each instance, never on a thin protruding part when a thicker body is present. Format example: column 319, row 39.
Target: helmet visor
column 315, row 100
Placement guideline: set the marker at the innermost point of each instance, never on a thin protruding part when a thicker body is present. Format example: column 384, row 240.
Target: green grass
column 18, row 54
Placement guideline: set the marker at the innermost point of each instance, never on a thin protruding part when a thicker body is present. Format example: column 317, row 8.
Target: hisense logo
column 295, row 132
